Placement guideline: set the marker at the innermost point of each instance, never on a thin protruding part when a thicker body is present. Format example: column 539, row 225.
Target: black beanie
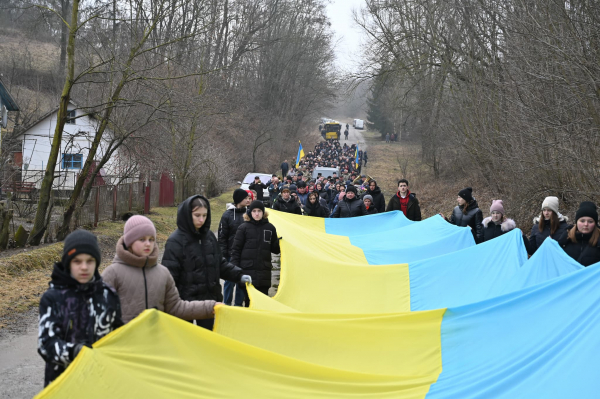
column 256, row 204
column 239, row 195
column 588, row 209
column 80, row 242
column 351, row 187
column 466, row 194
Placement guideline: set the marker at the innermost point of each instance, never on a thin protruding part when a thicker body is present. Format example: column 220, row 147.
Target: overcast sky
column 340, row 14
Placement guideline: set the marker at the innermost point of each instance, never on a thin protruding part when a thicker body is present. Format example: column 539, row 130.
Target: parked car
column 264, row 177
column 359, row 124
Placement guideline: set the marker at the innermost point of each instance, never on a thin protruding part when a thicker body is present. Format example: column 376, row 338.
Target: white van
column 359, row 124
column 325, row 172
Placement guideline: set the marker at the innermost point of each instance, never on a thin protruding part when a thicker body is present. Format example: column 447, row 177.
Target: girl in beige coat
column 141, row 282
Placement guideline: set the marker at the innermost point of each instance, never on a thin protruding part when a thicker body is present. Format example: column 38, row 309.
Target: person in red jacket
column 405, row 201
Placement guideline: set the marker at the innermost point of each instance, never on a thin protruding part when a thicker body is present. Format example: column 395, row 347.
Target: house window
column 71, row 117
column 72, row 161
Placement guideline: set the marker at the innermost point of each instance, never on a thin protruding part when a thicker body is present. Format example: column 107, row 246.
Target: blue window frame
column 72, row 161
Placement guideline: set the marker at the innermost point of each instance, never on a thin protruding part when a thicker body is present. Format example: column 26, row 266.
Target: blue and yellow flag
column 300, row 154
column 356, row 160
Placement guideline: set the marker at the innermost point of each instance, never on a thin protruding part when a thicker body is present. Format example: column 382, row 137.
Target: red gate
column 167, row 191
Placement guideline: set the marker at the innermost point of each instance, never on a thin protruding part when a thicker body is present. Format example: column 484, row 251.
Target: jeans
column 228, row 294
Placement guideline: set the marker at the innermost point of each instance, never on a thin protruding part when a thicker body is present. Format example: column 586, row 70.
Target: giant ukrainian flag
column 373, row 307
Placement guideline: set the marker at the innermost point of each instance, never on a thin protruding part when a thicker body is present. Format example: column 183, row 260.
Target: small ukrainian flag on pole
column 356, row 160
column 300, row 154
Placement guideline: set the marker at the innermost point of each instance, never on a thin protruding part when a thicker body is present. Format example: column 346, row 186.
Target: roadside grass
column 25, row 275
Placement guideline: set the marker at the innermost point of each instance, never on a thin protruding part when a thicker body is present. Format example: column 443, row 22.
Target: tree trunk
column 5, row 218
column 39, row 226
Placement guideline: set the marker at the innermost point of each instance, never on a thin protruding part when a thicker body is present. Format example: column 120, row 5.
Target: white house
column 78, row 135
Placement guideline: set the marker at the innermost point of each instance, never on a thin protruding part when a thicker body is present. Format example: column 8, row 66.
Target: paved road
column 354, row 136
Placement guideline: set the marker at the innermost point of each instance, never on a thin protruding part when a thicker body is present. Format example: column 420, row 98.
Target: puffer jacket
column 378, row 199
column 143, row 284
column 349, row 208
column 537, row 237
column 472, row 218
column 232, row 218
column 254, row 242
column 371, row 210
column 289, row 206
column 317, row 210
column 492, row 230
column 72, row 313
column 581, row 251
column 413, row 209
column 194, row 258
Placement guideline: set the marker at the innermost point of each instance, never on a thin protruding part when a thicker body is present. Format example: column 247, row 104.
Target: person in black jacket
column 194, row 258
column 232, row 218
column 257, row 186
column 550, row 223
column 378, row 200
column 286, row 203
column 350, row 205
column 467, row 213
column 582, row 242
column 405, row 201
column 254, row 242
column 368, row 200
column 78, row 309
column 285, row 167
column 496, row 224
column 314, row 208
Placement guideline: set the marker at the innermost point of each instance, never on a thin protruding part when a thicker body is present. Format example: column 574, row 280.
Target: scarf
column 404, row 201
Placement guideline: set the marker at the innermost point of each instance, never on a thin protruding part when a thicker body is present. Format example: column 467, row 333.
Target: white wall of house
column 77, row 139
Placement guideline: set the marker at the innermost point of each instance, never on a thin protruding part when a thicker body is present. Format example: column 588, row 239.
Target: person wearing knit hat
column 550, row 223
column 368, row 200
column 231, row 219
column 468, row 214
column 285, row 202
column 349, row 205
column 497, row 224
column 141, row 282
column 78, row 298
column 253, row 244
column 582, row 242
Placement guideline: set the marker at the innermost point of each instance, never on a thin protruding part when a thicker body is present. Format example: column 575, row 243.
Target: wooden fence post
column 114, row 212
column 147, row 198
column 97, row 206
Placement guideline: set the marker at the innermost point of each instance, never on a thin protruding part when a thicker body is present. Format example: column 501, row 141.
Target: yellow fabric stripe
column 402, row 344
column 160, row 356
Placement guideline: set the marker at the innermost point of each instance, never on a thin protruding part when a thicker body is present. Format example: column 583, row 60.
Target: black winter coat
column 71, row 314
column 194, row 258
column 290, row 206
column 473, row 218
column 252, row 247
column 492, row 230
column 378, row 199
column 581, row 251
column 537, row 237
column 413, row 210
column 372, row 210
column 349, row 208
column 230, row 221
column 316, row 210
column 258, row 187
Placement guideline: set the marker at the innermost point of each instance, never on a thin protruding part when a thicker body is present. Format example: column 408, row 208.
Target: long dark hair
column 554, row 223
column 466, row 206
column 593, row 239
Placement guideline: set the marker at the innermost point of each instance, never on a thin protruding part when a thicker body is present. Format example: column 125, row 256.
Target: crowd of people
column 81, row 306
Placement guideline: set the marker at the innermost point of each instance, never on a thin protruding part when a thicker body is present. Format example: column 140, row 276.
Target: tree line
column 504, row 90
column 203, row 89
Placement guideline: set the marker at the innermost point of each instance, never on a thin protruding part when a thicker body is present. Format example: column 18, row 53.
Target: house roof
column 23, row 129
column 6, row 99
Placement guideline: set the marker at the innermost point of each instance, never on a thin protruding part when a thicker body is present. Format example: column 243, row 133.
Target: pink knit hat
column 137, row 227
column 497, row 206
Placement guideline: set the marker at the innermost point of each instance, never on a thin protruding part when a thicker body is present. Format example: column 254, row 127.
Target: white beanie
column 551, row 203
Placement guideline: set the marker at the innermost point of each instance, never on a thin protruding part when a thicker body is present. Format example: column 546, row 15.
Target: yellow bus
column 331, row 130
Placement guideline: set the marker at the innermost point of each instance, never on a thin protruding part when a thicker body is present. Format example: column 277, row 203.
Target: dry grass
column 43, row 56
column 385, row 165
column 25, row 275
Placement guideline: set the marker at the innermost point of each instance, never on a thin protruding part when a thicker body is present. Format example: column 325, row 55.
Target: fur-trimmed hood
column 561, row 218
column 506, row 226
